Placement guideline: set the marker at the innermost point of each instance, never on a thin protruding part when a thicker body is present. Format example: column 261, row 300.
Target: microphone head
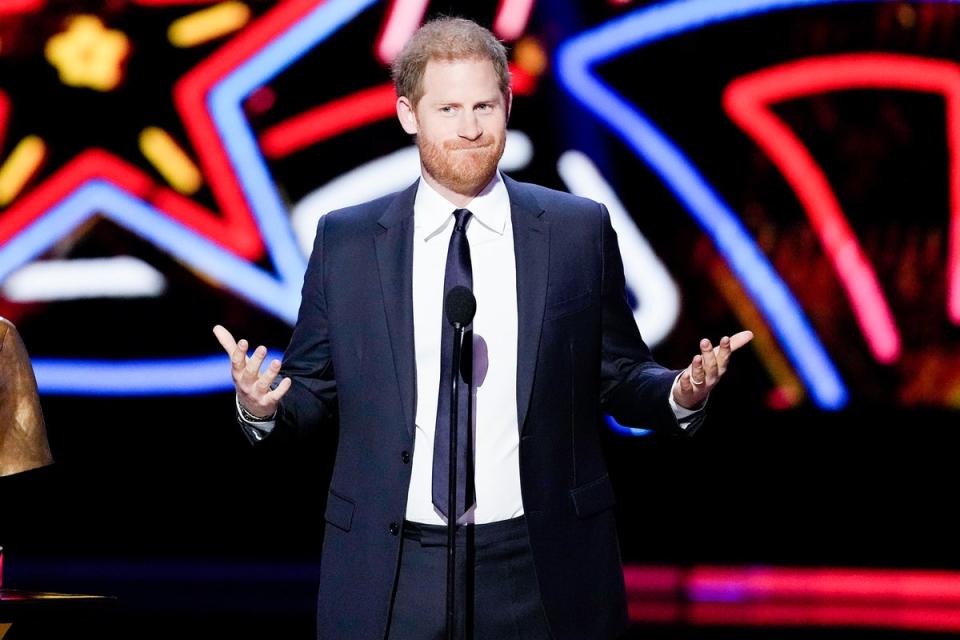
column 460, row 306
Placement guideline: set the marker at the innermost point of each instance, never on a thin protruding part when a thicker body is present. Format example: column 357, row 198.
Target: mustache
column 483, row 143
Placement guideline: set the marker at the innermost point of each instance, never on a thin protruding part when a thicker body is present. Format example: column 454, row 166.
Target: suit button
column 405, row 456
column 394, row 528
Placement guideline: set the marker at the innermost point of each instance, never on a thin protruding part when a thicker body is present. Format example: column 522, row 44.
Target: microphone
column 460, row 306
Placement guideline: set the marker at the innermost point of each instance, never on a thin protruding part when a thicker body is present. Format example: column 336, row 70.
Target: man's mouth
column 469, row 148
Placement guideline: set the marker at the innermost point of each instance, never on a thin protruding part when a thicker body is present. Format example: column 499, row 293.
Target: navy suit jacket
column 579, row 355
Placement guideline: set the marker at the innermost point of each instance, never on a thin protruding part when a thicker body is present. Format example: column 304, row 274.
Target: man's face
column 460, row 123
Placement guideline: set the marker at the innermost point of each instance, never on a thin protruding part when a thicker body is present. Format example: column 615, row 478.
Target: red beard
column 462, row 167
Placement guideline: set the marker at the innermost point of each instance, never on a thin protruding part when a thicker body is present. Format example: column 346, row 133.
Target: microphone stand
column 452, row 484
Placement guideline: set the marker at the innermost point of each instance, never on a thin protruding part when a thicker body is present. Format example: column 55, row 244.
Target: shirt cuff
column 685, row 417
column 256, row 428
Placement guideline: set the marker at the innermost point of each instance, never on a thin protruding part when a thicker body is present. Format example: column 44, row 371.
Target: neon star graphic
column 251, row 222
column 748, row 101
column 576, row 60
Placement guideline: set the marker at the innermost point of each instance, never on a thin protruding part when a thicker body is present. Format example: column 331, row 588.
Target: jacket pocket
column 568, row 307
column 339, row 511
column 593, row 497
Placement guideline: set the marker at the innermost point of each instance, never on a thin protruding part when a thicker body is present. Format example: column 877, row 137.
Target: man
column 554, row 346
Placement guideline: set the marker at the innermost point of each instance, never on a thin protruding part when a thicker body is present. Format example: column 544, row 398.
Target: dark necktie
column 459, row 272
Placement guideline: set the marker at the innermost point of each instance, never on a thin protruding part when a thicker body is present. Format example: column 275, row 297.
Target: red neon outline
column 922, row 600
column 351, row 112
column 655, row 612
column 405, row 16
column 748, row 101
column 522, row 82
column 96, row 163
column 99, row 164
column 512, row 17
column 21, row 6
column 235, row 229
column 172, row 3
column 769, row 583
column 4, row 115
column 328, row 120
column 819, row 614
column 190, row 94
column 827, row 583
column 646, row 581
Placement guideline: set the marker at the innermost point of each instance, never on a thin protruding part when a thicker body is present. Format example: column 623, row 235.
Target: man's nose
column 470, row 126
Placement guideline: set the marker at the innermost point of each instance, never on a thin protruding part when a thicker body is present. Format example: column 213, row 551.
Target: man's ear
column 406, row 115
column 509, row 98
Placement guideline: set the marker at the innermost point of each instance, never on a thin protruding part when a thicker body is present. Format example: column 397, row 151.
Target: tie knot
column 462, row 216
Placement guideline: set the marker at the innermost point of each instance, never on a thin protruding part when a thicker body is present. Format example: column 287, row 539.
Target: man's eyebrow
column 439, row 101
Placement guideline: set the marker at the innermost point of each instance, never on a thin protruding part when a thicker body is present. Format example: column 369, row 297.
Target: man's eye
column 484, row 107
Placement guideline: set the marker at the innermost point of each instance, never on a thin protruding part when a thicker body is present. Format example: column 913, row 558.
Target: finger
column 225, row 338
column 709, row 360
column 269, row 376
column 281, row 390
column 238, row 359
column 737, row 340
column 685, row 384
column 722, row 352
column 236, row 351
column 696, row 375
column 255, row 362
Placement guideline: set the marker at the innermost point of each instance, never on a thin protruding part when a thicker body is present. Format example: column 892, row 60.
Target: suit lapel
column 531, row 243
column 394, row 245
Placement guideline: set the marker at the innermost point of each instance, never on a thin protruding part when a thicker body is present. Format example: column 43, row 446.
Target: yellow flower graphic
column 88, row 54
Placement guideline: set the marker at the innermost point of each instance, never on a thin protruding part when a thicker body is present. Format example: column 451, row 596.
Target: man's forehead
column 440, row 67
column 443, row 75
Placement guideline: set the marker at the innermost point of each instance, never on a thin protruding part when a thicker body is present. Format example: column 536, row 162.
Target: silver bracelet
column 249, row 417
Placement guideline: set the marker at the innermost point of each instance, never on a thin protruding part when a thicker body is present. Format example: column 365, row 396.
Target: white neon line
column 646, row 275
column 115, row 277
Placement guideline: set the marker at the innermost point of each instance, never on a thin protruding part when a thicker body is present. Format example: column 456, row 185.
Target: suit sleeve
column 635, row 390
column 311, row 402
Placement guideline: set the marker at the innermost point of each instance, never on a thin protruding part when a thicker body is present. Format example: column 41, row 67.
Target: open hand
column 253, row 387
column 706, row 369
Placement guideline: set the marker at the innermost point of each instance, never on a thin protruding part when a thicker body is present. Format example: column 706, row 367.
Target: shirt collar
column 490, row 207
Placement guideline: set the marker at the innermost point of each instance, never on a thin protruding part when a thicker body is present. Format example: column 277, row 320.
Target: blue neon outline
column 279, row 296
column 619, row 429
column 186, row 376
column 575, row 60
column 98, row 196
column 225, row 102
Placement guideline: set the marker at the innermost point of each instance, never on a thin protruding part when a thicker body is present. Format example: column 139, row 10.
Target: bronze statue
column 23, row 436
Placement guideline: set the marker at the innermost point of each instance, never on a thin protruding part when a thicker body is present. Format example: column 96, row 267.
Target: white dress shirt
column 496, row 432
